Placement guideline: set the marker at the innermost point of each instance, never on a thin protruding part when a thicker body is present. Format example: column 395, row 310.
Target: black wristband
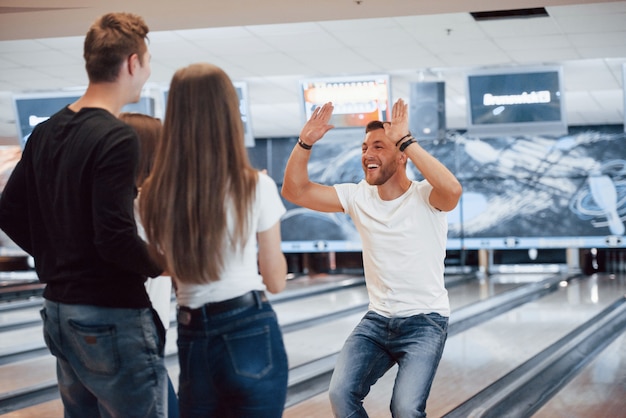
column 406, row 144
column 403, row 138
column 303, row 145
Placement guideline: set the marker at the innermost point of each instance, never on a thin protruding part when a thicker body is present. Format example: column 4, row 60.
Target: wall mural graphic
column 534, row 187
column 519, row 192
column 522, row 191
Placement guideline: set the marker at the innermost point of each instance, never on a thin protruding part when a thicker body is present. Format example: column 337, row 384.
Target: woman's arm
column 272, row 262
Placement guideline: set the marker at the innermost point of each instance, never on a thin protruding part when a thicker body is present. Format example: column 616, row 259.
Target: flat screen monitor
column 145, row 105
column 32, row 109
column 514, row 101
column 244, row 109
column 357, row 100
column 535, row 191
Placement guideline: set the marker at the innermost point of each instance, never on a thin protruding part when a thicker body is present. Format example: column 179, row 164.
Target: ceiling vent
column 510, row 14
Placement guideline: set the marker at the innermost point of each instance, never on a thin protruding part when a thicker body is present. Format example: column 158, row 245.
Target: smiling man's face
column 380, row 158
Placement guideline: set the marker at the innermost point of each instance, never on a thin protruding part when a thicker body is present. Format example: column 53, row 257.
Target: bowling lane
column 16, row 338
column 50, row 409
column 19, row 316
column 22, row 339
column 327, row 338
column 303, row 345
column 483, row 287
column 476, row 358
column 19, row 375
column 479, row 356
column 599, row 390
column 293, row 311
column 23, row 374
column 460, row 293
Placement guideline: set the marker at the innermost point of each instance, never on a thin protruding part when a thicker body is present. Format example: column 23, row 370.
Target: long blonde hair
column 201, row 170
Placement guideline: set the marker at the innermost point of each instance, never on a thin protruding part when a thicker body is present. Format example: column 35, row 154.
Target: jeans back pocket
column 96, row 347
column 250, row 352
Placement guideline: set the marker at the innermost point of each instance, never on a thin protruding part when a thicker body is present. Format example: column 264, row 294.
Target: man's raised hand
column 317, row 125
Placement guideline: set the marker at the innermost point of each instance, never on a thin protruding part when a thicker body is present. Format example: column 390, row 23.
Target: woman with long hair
column 214, row 220
column 159, row 289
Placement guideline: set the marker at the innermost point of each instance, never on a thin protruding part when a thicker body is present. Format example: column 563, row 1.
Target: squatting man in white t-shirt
column 403, row 228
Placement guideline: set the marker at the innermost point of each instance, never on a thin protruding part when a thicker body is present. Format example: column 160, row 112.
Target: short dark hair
column 111, row 39
column 374, row 125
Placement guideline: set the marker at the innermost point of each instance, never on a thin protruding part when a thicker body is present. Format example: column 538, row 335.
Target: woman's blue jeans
column 233, row 364
column 377, row 343
column 109, row 360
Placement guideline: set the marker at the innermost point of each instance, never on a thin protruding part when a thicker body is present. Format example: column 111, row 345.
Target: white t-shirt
column 404, row 246
column 240, row 274
column 159, row 289
column 160, row 293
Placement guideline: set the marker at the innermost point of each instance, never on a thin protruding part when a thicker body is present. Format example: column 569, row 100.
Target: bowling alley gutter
column 527, row 388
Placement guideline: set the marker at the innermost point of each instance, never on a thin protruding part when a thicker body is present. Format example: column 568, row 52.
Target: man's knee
column 336, row 391
column 343, row 400
column 406, row 408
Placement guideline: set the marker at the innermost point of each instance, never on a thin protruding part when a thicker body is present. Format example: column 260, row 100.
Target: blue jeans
column 172, row 400
column 233, row 364
column 374, row 346
column 109, row 360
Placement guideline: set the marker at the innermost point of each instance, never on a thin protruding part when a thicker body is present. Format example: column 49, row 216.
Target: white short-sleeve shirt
column 240, row 274
column 404, row 247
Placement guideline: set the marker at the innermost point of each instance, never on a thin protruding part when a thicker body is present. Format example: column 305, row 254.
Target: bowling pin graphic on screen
column 481, row 151
column 605, row 195
column 484, row 153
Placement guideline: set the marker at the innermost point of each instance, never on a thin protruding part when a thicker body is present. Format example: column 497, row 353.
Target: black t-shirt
column 69, row 203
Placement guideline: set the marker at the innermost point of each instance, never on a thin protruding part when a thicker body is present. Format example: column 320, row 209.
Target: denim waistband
column 187, row 315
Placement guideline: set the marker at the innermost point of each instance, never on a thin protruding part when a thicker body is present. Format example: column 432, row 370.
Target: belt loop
column 257, row 297
column 205, row 314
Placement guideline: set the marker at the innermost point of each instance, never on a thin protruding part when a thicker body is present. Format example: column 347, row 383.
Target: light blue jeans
column 233, row 364
column 377, row 343
column 109, row 360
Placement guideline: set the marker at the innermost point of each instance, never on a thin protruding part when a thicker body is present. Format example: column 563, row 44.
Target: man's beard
column 383, row 173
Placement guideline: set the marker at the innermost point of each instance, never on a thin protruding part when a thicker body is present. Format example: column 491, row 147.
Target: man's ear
column 403, row 158
column 132, row 62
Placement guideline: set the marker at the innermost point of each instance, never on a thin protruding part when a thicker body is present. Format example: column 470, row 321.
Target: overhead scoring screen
column 356, row 100
column 516, row 101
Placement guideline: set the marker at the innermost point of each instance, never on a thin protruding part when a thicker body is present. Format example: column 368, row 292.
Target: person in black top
column 69, row 204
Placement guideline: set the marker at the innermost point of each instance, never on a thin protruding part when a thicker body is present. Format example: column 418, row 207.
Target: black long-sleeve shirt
column 69, row 203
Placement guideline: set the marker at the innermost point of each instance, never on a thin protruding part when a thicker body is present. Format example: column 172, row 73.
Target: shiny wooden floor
column 472, row 359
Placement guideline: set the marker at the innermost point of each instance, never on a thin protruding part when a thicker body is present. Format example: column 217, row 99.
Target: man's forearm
column 296, row 173
column 445, row 184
